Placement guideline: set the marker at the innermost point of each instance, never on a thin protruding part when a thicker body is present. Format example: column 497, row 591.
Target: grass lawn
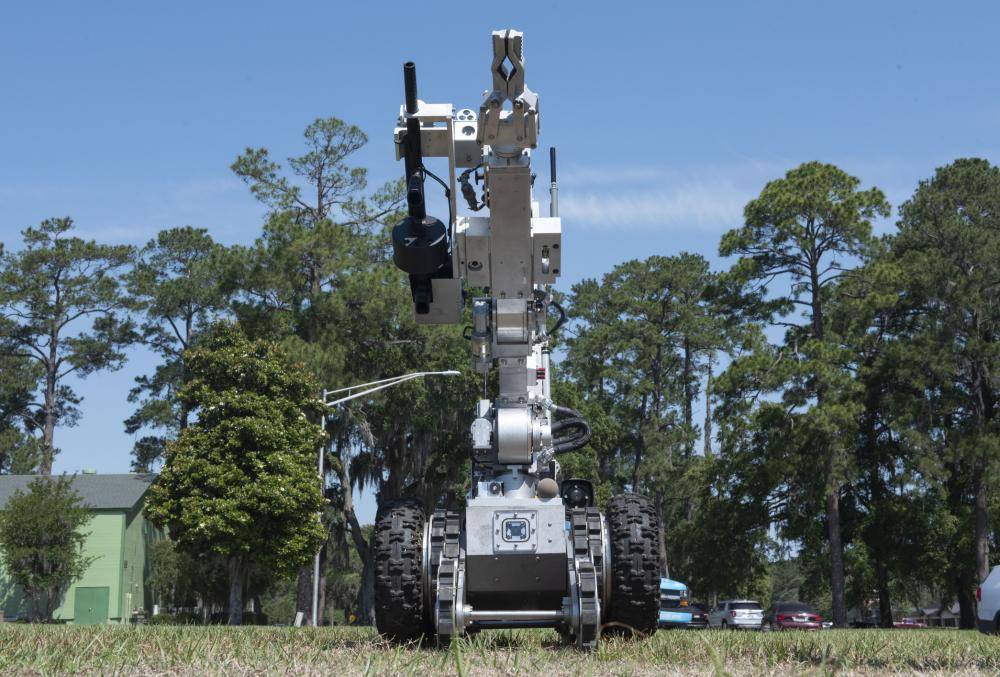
column 341, row 652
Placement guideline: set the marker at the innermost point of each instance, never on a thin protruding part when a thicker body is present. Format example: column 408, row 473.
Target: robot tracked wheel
column 523, row 552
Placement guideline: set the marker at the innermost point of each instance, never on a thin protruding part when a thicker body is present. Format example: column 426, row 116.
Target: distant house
column 939, row 617
column 115, row 585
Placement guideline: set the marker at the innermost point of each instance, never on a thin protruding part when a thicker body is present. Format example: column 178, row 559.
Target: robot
column 530, row 549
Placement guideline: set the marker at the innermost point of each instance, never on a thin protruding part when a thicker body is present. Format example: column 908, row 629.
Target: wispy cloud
column 707, row 199
column 697, row 206
column 139, row 209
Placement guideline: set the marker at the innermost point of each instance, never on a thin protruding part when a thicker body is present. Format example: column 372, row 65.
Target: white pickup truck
column 988, row 595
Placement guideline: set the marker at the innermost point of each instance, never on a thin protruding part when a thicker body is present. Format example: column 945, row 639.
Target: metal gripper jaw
column 508, row 132
column 508, row 46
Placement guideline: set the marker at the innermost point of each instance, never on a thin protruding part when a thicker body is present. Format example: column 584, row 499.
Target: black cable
column 468, row 192
column 562, row 446
column 447, row 193
column 562, row 318
column 559, row 426
column 566, row 411
column 579, row 435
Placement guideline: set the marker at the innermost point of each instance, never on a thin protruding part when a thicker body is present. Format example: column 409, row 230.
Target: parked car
column 867, row 622
column 699, row 616
column 674, row 610
column 988, row 595
column 737, row 613
column 874, row 620
column 793, row 616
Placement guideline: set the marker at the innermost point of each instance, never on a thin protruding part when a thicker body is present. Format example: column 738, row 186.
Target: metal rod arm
column 381, row 384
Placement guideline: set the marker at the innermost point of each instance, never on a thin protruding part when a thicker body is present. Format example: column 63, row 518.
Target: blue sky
column 668, row 118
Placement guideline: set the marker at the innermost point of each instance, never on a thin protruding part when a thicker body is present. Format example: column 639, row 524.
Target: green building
column 115, row 584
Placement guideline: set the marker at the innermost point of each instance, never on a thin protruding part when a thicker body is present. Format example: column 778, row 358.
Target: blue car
column 674, row 609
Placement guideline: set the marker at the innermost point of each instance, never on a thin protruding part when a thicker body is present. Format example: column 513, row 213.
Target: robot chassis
column 528, row 550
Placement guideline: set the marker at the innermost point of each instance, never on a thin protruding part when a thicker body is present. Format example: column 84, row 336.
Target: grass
column 191, row 650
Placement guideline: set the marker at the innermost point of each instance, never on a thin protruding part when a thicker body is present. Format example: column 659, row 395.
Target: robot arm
column 512, row 256
column 523, row 553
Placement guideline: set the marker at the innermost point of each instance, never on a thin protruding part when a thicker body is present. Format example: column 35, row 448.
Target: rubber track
column 399, row 599
column 583, row 522
column 446, row 574
column 635, row 564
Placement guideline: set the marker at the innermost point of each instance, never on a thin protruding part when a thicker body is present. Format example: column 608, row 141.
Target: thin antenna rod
column 553, row 188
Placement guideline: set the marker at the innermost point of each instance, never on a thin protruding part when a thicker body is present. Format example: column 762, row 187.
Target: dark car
column 699, row 615
column 873, row 621
column 793, row 616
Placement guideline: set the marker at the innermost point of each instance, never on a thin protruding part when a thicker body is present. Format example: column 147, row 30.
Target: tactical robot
column 530, row 549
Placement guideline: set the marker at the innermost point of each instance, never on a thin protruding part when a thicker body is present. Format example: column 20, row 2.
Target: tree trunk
column 837, row 584
column 183, row 412
column 966, row 601
column 664, row 563
column 708, row 407
column 836, row 553
column 322, row 584
column 639, row 444
column 303, row 593
column 392, row 487
column 884, row 599
column 237, row 574
column 49, row 427
column 366, row 593
column 689, row 393
column 982, row 529
column 984, row 404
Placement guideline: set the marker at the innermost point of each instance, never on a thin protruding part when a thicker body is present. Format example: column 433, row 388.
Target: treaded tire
column 399, row 593
column 635, row 566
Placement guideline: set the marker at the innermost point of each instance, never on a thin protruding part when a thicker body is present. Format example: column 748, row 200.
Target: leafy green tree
column 320, row 281
column 640, row 341
column 178, row 284
column 19, row 452
column 892, row 508
column 41, row 541
column 179, row 579
column 66, row 311
column 317, row 244
column 241, row 481
column 947, row 253
column 165, row 573
column 806, row 229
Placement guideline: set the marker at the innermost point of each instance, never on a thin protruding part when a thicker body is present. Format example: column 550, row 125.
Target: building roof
column 936, row 610
column 100, row 492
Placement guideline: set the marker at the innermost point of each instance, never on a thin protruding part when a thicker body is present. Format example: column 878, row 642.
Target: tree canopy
column 42, row 532
column 241, row 481
column 64, row 308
